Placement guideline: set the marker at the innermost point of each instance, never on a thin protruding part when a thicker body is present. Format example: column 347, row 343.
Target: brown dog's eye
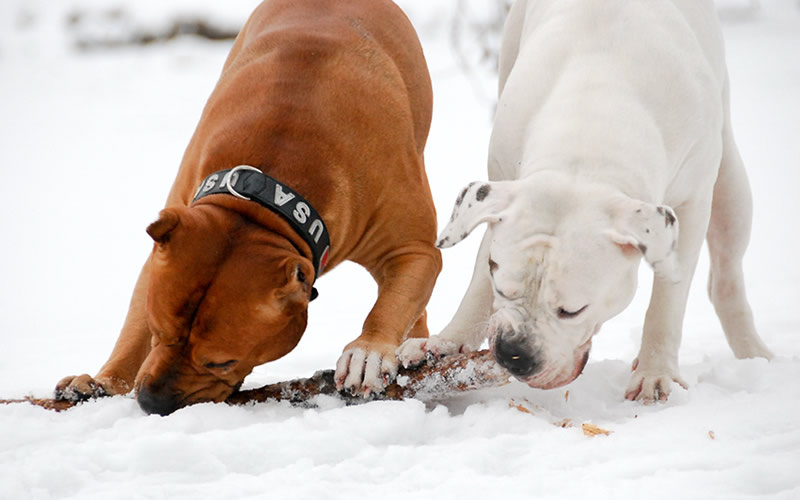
column 220, row 366
column 299, row 274
column 564, row 314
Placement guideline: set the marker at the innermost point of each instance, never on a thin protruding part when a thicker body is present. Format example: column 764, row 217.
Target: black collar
column 249, row 183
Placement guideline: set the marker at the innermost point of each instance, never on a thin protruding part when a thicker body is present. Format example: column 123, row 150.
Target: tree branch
column 442, row 378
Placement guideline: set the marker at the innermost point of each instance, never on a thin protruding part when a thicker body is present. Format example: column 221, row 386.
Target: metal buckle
column 228, row 181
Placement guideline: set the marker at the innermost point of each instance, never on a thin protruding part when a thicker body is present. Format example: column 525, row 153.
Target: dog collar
column 249, row 183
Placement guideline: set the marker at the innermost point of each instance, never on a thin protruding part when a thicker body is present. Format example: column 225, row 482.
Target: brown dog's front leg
column 118, row 373
column 405, row 282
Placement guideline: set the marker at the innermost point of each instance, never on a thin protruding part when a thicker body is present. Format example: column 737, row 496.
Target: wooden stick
column 442, row 378
column 446, row 376
column 47, row 404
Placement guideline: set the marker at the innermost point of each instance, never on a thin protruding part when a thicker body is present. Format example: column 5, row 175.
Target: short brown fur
column 333, row 99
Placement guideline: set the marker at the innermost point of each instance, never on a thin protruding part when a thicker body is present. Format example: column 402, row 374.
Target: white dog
column 612, row 125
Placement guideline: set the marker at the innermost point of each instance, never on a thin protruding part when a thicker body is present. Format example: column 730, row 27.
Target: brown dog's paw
column 83, row 387
column 365, row 368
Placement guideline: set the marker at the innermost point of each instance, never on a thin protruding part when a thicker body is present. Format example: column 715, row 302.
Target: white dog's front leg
column 467, row 330
column 656, row 366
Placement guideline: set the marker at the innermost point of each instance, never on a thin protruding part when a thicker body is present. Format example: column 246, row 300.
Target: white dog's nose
column 513, row 354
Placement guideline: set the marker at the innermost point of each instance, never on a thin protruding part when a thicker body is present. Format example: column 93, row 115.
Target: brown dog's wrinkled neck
column 253, row 213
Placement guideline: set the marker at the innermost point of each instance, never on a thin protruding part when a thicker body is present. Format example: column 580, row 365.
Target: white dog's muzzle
column 519, row 348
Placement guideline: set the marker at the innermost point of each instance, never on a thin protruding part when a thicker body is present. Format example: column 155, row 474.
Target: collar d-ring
column 232, row 176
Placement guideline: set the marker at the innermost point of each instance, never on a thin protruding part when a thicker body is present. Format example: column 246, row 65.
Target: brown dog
column 333, row 100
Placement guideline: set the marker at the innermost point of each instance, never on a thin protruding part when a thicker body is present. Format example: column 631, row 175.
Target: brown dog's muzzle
column 166, row 382
column 158, row 397
column 162, row 397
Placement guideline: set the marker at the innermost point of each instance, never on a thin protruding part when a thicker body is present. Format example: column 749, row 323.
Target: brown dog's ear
column 296, row 293
column 167, row 221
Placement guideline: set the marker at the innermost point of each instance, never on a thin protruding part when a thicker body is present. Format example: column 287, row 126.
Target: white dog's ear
column 651, row 230
column 478, row 202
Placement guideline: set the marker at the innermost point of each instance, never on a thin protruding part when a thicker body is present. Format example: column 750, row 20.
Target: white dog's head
column 563, row 260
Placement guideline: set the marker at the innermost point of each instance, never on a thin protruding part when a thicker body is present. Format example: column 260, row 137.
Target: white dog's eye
column 564, row 314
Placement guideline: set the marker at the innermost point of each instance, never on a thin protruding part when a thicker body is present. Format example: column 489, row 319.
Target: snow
column 89, row 145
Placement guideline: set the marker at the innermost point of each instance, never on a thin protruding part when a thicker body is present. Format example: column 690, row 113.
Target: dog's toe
column 650, row 389
column 412, row 352
column 350, row 370
column 78, row 388
column 415, row 352
column 379, row 371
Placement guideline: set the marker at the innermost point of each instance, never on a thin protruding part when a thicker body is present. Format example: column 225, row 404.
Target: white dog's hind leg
column 467, row 330
column 728, row 236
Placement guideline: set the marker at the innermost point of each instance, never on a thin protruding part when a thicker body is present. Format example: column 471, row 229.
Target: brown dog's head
column 224, row 296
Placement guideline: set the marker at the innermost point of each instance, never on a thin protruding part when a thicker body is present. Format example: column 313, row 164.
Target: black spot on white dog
column 483, row 192
column 669, row 219
column 461, row 196
column 643, row 248
column 493, row 266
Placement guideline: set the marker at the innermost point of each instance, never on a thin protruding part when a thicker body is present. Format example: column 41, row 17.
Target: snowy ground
column 89, row 145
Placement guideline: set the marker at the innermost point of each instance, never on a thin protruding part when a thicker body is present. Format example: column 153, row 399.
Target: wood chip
column 564, row 424
column 592, row 430
column 519, row 407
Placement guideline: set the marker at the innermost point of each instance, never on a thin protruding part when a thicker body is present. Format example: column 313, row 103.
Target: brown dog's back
column 320, row 29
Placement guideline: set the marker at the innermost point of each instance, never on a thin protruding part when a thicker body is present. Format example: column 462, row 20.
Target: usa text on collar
column 249, row 183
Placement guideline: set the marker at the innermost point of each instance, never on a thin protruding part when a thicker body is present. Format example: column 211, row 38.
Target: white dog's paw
column 752, row 346
column 415, row 352
column 649, row 386
column 365, row 368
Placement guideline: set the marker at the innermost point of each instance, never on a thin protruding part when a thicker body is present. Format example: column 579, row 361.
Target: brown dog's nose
column 157, row 399
column 515, row 356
